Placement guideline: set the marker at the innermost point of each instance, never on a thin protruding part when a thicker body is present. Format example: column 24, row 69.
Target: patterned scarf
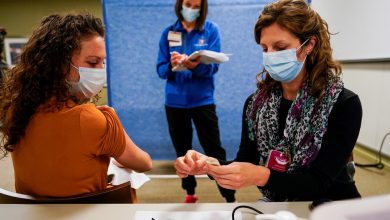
column 306, row 124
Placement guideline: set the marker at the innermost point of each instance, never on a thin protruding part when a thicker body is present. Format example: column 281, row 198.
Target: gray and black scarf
column 306, row 124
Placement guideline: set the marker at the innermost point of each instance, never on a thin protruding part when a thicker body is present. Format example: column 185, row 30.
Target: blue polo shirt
column 199, row 89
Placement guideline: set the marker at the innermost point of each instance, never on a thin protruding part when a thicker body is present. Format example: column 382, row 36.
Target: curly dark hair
column 298, row 18
column 38, row 79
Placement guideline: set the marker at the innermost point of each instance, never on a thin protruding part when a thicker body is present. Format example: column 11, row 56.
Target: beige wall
column 21, row 17
column 371, row 82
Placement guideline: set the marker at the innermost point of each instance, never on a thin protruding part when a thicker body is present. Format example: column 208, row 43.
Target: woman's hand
column 238, row 175
column 193, row 163
column 177, row 58
column 191, row 64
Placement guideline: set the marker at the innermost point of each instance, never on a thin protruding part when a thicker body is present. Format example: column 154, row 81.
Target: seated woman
column 300, row 126
column 61, row 145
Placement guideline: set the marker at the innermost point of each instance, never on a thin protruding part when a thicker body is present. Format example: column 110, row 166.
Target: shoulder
column 348, row 106
column 95, row 123
column 176, row 26
column 249, row 98
column 347, row 94
column 89, row 111
column 165, row 31
column 248, row 101
column 91, row 118
column 211, row 26
column 169, row 28
column 348, row 98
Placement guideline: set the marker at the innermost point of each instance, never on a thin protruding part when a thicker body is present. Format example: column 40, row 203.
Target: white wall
column 363, row 36
column 362, row 27
column 371, row 81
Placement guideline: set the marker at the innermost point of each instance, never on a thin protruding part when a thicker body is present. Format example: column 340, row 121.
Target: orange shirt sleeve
column 103, row 130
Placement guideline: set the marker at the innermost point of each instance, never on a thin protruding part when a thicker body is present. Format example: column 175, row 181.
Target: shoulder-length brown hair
column 202, row 17
column 40, row 73
column 299, row 19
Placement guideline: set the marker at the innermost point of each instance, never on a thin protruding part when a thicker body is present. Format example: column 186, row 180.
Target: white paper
column 138, row 179
column 193, row 215
column 206, row 57
column 122, row 175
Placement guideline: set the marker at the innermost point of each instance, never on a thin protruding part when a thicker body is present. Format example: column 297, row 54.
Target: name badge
column 174, row 39
column 277, row 161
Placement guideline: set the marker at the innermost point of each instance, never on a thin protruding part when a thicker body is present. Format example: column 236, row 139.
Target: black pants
column 206, row 123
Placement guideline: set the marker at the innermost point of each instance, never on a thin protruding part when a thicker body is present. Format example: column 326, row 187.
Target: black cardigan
column 327, row 177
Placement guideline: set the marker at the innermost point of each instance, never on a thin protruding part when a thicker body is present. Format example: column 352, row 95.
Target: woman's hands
column 182, row 59
column 177, row 58
column 238, row 175
column 193, row 163
column 191, row 64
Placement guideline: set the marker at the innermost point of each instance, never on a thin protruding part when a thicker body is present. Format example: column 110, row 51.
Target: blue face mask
column 283, row 66
column 190, row 14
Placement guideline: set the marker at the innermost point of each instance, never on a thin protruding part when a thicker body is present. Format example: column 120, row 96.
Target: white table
column 127, row 211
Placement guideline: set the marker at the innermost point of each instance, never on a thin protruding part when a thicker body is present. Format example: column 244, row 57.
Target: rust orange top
column 67, row 152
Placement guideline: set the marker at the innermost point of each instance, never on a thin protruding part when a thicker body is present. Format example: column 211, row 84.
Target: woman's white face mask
column 91, row 81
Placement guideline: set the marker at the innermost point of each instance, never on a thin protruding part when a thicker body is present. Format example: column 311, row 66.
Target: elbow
column 163, row 70
column 147, row 165
column 161, row 75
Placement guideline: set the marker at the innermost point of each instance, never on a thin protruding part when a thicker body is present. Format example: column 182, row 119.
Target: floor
column 167, row 189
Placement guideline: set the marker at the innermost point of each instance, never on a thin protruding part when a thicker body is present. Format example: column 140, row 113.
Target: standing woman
column 299, row 128
column 189, row 94
column 61, row 145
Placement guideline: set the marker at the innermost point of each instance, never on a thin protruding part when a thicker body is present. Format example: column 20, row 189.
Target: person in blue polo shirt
column 189, row 93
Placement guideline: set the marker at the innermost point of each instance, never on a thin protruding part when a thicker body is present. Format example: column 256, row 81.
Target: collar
column 177, row 26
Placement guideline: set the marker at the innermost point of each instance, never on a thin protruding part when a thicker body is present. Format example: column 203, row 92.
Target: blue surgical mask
column 283, row 66
column 190, row 14
column 91, row 81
